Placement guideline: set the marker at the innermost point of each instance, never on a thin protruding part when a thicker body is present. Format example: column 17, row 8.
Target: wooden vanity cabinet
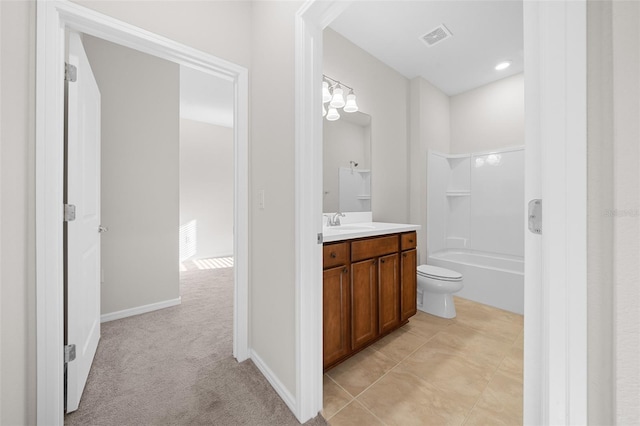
column 388, row 292
column 337, row 303
column 369, row 291
column 408, row 277
column 364, row 296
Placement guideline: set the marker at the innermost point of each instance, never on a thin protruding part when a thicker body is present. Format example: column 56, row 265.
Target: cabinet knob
column 404, row 254
column 381, row 260
column 333, row 254
column 411, row 240
column 345, row 270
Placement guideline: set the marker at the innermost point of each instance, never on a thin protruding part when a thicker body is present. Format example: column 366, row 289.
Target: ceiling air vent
column 436, row 35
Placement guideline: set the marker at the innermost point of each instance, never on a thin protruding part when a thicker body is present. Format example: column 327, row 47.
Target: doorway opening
column 54, row 19
column 552, row 370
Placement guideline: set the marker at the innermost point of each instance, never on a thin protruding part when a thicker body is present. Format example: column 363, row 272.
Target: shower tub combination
column 476, row 222
column 490, row 279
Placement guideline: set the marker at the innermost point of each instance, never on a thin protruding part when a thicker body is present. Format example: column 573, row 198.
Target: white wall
column 489, row 117
column 140, row 175
column 206, row 186
column 382, row 93
column 17, row 193
column 430, row 130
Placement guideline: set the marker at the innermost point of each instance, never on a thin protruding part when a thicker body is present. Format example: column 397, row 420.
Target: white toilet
column 435, row 289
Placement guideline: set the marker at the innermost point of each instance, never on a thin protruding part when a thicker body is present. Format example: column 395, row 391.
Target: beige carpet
column 174, row 367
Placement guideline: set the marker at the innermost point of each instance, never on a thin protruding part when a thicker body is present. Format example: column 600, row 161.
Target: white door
column 83, row 236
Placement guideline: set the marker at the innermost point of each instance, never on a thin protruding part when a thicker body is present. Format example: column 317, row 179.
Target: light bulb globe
column 338, row 99
column 333, row 115
column 326, row 95
column 351, row 105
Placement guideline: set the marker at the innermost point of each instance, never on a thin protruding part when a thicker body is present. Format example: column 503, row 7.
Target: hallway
column 174, row 366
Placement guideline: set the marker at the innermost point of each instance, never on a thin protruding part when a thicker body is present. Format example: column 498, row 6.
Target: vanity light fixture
column 503, row 65
column 333, row 93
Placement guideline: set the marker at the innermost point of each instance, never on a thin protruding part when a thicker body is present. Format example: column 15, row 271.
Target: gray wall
column 488, row 117
column 206, row 186
column 272, row 248
column 614, row 212
column 388, row 107
column 17, row 222
column 140, row 181
column 600, row 245
column 430, row 129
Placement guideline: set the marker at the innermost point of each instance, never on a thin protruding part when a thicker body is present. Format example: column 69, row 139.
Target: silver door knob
column 102, row 229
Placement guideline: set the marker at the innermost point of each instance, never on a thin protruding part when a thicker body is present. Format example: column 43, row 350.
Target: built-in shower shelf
column 363, row 197
column 460, row 193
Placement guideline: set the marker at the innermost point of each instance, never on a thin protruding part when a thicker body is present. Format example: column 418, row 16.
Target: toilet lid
column 437, row 272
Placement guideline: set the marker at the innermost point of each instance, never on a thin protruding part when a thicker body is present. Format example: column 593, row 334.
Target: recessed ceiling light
column 503, row 65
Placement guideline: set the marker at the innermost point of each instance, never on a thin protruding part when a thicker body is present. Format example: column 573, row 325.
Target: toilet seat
column 437, row 273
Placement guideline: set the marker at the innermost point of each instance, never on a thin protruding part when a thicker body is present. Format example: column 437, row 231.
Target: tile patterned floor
column 433, row 371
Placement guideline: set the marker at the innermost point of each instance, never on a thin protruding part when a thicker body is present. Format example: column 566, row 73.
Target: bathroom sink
column 352, row 227
column 363, row 229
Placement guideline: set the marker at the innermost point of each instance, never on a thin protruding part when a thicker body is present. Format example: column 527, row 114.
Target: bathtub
column 490, row 279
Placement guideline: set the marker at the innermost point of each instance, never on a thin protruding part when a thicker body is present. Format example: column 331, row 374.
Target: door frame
column 555, row 368
column 52, row 19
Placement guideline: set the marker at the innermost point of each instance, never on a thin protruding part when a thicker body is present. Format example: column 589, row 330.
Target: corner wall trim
column 279, row 387
column 139, row 310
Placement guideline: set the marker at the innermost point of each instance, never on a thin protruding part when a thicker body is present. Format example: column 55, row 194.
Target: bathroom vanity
column 369, row 286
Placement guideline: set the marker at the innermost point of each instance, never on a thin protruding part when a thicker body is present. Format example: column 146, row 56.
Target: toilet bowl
column 435, row 290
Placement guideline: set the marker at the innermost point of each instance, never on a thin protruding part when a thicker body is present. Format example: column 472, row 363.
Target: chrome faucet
column 334, row 220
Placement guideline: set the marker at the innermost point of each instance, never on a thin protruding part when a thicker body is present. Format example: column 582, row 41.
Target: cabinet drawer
column 335, row 255
column 373, row 247
column 408, row 241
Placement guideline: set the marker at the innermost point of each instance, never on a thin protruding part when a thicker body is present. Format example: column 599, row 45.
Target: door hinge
column 69, row 353
column 319, row 237
column 69, row 212
column 70, row 72
column 535, row 216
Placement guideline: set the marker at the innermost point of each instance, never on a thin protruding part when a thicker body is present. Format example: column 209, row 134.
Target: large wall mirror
column 347, row 163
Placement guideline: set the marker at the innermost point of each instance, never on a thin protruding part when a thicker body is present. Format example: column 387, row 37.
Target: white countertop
column 349, row 231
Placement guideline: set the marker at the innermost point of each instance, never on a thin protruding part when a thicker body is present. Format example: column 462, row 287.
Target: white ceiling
column 205, row 97
column 484, row 33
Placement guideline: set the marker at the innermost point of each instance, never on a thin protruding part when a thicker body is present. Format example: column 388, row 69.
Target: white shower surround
column 489, row 279
column 475, row 223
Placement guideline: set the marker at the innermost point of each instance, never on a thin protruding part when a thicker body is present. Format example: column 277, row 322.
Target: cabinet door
column 408, row 284
column 364, row 315
column 388, row 292
column 336, row 304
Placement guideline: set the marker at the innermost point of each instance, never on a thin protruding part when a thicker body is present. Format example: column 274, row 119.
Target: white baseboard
column 139, row 310
column 274, row 381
